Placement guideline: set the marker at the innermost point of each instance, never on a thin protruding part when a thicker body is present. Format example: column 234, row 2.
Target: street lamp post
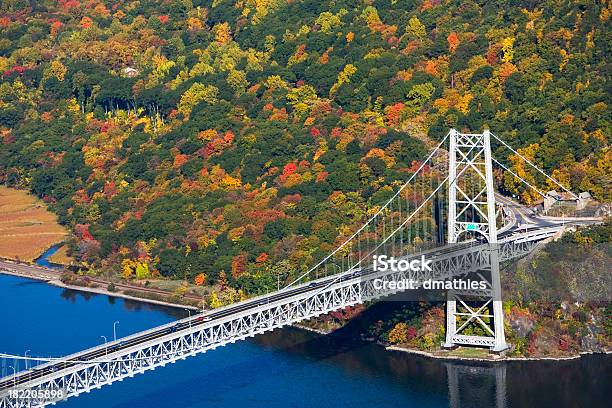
column 267, row 294
column 14, row 376
column 339, row 269
column 105, row 345
column 189, row 311
column 115, row 330
column 26, row 358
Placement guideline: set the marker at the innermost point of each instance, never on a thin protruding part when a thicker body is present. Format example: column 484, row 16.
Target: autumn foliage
column 211, row 142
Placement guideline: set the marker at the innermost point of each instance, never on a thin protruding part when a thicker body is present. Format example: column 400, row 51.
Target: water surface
column 43, row 260
column 285, row 368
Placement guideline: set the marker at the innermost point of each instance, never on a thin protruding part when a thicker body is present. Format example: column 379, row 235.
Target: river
column 285, row 368
column 43, row 260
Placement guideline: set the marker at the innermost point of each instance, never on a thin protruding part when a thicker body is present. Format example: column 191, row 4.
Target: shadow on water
column 307, row 350
column 355, row 356
column 72, row 295
column 29, row 282
column 473, row 385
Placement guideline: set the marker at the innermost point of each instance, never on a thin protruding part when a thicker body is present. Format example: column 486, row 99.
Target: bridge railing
column 332, row 294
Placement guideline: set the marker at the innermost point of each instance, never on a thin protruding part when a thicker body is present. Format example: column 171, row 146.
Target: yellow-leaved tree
column 344, row 77
column 508, row 49
column 195, row 94
column 415, row 29
column 399, row 333
column 213, row 301
column 515, row 186
column 302, row 99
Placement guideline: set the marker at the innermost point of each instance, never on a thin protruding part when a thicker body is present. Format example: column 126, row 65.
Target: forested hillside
column 241, row 140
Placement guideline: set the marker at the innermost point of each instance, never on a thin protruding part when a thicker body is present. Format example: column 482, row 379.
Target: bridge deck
column 115, row 349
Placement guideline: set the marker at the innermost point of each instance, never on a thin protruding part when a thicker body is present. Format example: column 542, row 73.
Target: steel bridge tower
column 474, row 318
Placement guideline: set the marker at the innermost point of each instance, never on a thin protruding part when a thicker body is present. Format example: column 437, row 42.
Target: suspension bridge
column 445, row 212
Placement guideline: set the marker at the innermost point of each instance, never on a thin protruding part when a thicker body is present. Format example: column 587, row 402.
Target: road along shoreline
column 51, row 278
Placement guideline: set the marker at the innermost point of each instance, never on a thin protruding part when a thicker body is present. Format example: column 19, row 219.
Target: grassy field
column 61, row 256
column 27, row 228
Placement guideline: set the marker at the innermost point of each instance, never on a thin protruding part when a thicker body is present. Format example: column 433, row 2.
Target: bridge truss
column 472, row 210
column 331, row 293
column 447, row 201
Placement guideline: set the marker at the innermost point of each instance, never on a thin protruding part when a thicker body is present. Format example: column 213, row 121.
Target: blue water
column 285, row 368
column 43, row 260
column 52, row 321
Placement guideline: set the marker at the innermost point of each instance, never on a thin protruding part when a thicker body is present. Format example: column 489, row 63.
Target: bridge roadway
column 99, row 352
column 184, row 324
column 517, row 231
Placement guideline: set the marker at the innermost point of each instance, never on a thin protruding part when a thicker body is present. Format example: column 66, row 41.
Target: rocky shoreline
column 494, row 357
